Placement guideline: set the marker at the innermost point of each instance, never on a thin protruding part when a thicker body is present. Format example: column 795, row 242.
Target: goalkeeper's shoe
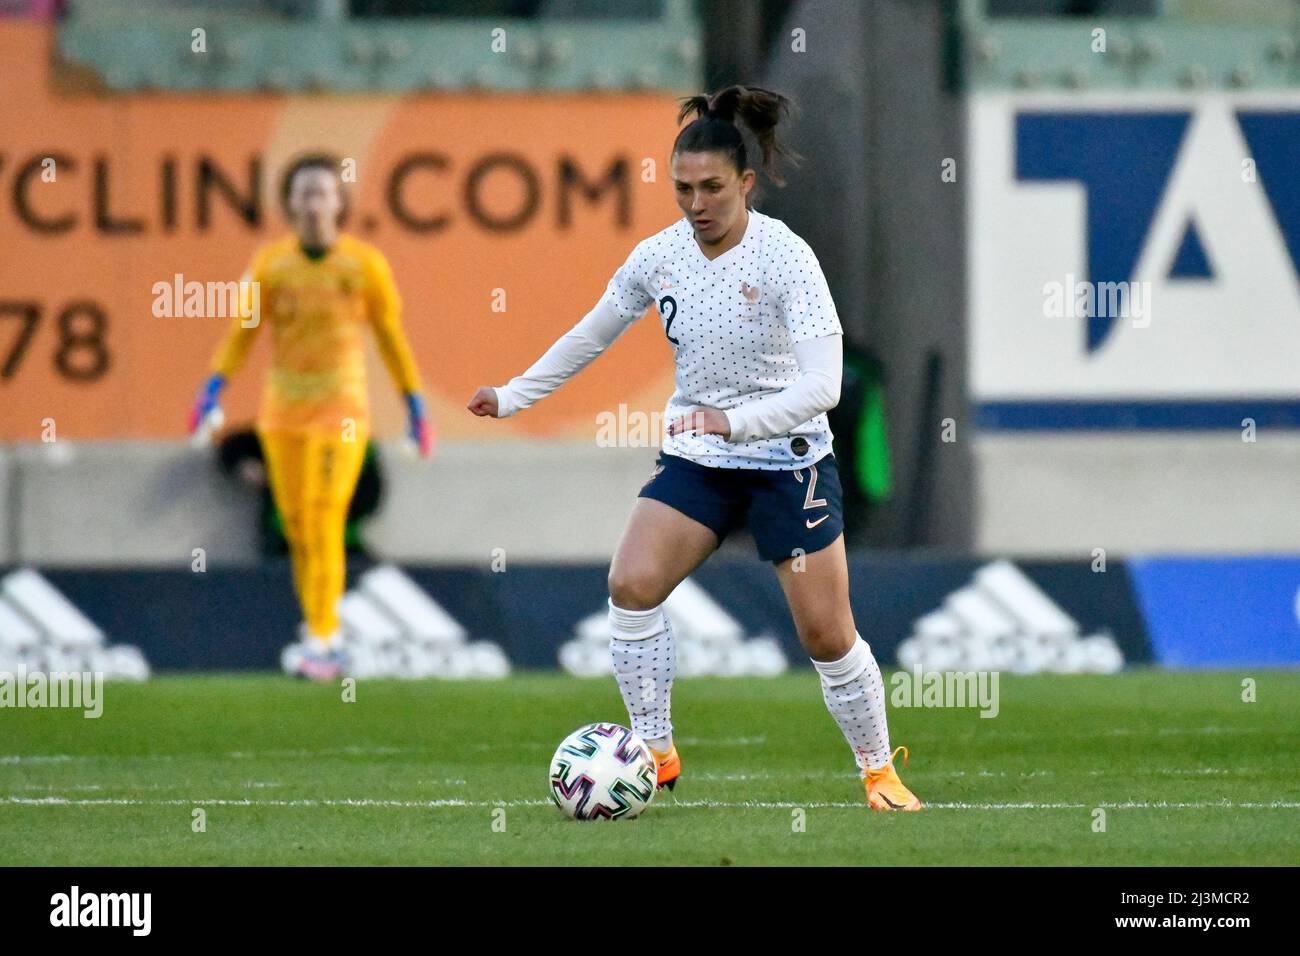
column 321, row 666
column 885, row 791
column 308, row 659
column 670, row 767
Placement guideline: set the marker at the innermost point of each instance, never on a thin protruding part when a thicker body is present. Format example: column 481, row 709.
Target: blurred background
column 1063, row 237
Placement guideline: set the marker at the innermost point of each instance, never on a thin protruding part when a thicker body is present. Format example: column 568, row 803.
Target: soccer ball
column 603, row 772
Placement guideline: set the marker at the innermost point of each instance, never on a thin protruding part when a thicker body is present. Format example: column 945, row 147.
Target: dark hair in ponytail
column 714, row 128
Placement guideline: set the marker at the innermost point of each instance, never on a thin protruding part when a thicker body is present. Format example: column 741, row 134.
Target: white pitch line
column 690, row 804
column 712, row 777
column 6, row 759
column 1135, row 732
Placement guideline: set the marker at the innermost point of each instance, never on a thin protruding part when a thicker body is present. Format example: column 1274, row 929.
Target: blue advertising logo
column 1123, row 160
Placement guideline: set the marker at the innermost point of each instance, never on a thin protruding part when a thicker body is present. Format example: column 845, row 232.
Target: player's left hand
column 702, row 421
column 419, row 430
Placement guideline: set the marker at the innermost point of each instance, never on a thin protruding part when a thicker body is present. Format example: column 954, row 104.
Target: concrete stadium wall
column 151, row 503
column 7, row 507
column 127, row 503
column 1137, row 493
column 539, row 501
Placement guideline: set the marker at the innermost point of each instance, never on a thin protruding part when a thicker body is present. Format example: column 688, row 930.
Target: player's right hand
column 484, row 403
column 206, row 416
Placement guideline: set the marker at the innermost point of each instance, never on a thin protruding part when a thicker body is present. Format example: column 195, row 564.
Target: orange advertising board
column 503, row 217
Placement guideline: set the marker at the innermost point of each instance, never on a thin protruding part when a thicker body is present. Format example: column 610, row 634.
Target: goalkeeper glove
column 206, row 416
column 419, row 430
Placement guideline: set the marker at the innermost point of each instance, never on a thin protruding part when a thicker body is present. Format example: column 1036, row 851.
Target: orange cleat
column 670, row 767
column 885, row 791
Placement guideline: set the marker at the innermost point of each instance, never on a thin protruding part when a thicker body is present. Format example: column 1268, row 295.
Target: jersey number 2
column 809, row 501
column 669, row 315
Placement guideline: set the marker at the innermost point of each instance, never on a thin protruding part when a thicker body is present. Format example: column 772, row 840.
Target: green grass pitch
column 456, row 773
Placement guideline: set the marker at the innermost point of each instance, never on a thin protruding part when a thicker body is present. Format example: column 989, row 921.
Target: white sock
column 855, row 696
column 645, row 663
column 322, row 644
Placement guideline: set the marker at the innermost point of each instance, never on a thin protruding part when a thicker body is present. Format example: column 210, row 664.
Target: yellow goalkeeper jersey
column 318, row 310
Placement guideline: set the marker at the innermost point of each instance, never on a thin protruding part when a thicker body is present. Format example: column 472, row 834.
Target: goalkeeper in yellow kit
column 318, row 290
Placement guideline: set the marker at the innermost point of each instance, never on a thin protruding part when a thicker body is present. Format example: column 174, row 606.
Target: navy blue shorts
column 788, row 512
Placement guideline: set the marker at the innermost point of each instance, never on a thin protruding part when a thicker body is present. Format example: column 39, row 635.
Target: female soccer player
column 318, row 289
column 757, row 344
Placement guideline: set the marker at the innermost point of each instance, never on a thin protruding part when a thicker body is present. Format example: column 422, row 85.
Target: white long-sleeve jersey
column 754, row 333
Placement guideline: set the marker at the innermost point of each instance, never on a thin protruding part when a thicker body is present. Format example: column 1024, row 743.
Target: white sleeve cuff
column 506, row 404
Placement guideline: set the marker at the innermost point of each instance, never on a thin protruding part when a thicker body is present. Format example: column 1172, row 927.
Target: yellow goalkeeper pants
column 313, row 475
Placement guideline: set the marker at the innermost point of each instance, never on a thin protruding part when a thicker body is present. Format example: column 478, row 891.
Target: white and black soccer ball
column 603, row 772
